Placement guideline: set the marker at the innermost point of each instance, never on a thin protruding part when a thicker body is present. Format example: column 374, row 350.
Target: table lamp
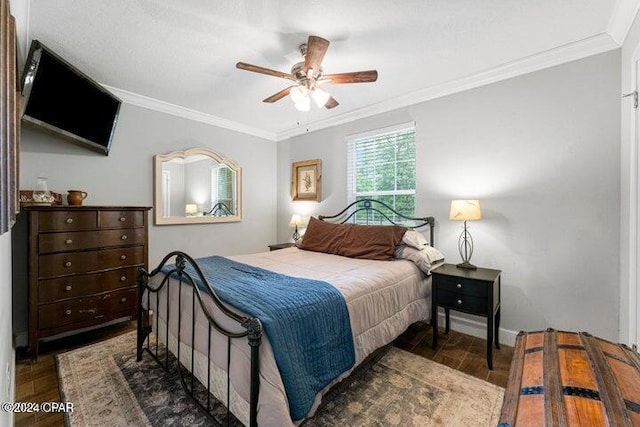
column 465, row 210
column 191, row 210
column 296, row 221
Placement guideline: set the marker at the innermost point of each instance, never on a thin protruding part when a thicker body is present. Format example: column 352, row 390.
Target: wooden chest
column 83, row 264
column 571, row 379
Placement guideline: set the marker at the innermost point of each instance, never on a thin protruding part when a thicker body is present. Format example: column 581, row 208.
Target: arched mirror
column 197, row 186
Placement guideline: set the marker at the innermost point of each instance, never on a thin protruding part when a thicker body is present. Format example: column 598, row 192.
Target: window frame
column 351, row 140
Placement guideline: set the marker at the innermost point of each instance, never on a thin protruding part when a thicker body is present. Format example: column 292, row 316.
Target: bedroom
column 544, row 145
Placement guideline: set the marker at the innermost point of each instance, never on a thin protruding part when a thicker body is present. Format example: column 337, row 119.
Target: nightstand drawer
column 462, row 302
column 462, row 286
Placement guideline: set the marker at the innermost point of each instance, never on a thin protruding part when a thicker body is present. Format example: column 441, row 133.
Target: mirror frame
column 159, row 159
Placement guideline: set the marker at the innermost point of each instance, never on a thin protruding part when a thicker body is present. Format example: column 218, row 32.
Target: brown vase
column 75, row 197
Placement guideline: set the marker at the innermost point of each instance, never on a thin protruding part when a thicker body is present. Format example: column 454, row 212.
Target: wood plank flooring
column 38, row 382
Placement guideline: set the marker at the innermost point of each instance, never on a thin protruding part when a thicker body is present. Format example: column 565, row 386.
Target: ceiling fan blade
column 331, row 103
column 278, row 96
column 316, row 48
column 355, row 77
column 262, row 70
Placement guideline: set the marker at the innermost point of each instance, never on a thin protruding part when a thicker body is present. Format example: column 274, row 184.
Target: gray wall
column 125, row 177
column 541, row 152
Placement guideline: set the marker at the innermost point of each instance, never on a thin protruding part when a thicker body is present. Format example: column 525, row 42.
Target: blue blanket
column 306, row 321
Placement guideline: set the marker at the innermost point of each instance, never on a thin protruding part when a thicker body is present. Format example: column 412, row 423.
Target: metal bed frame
column 250, row 327
column 220, row 209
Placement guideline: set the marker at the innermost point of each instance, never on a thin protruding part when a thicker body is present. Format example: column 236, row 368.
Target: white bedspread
column 383, row 299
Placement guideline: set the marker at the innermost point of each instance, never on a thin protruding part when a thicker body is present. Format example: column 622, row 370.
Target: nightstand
column 277, row 246
column 470, row 291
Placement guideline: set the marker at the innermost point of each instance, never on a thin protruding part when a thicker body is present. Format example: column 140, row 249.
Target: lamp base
column 467, row 266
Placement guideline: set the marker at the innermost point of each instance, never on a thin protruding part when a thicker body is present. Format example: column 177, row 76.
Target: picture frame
column 306, row 180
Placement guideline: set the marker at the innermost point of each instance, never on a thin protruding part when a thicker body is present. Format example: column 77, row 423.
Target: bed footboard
column 249, row 327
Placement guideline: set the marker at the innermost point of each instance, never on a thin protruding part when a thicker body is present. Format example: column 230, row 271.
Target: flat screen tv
column 60, row 98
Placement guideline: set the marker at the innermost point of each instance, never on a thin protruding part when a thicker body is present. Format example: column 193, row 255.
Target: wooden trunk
column 571, row 379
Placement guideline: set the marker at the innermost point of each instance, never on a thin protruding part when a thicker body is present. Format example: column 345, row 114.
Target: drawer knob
column 67, row 264
column 459, row 286
column 67, row 288
column 123, row 257
column 123, row 219
column 68, row 241
column 123, row 278
column 459, row 302
column 69, row 221
column 123, row 299
column 123, row 237
column 68, row 312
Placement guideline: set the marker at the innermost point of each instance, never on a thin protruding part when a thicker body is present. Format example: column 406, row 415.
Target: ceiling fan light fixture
column 299, row 94
column 320, row 96
column 303, row 104
column 308, row 75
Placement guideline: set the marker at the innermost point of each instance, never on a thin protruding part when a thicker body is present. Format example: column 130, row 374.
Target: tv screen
column 60, row 98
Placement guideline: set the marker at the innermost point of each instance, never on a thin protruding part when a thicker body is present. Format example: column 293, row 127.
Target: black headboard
column 377, row 212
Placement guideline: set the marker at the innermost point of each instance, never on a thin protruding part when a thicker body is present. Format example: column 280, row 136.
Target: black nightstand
column 470, row 291
column 277, row 246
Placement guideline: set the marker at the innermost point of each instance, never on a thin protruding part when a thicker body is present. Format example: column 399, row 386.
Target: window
column 222, row 186
column 381, row 165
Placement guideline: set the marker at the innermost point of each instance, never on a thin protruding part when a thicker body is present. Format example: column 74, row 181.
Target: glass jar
column 41, row 193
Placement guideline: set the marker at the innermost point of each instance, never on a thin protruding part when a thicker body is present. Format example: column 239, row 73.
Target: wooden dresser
column 83, row 263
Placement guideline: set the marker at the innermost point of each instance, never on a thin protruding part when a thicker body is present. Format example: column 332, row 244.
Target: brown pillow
column 356, row 241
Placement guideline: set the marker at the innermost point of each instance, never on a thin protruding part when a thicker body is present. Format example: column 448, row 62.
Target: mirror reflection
column 197, row 185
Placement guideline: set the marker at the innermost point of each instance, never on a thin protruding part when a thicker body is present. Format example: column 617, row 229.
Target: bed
column 263, row 373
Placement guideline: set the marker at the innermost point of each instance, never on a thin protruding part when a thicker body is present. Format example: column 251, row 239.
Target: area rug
column 108, row 387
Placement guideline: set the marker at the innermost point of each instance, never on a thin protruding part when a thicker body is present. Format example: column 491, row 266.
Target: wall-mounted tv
column 60, row 98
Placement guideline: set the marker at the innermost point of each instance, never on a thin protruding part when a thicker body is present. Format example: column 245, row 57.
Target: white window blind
column 381, row 165
column 222, row 186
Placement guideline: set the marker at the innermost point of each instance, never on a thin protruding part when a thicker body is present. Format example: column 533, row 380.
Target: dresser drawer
column 69, row 241
column 67, row 263
column 67, row 220
column 83, row 309
column 121, row 219
column 463, row 286
column 121, row 257
column 462, row 302
column 87, row 284
column 125, row 236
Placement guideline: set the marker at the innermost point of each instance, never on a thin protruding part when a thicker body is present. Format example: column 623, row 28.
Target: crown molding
column 622, row 17
column 570, row 52
column 594, row 45
column 187, row 113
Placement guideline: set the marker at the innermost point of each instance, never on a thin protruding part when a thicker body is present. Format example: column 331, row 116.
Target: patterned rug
column 108, row 387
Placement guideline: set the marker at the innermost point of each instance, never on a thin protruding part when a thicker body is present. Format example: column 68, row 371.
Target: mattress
column 383, row 298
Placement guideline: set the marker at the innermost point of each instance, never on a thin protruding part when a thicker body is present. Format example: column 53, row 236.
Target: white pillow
column 414, row 239
column 433, row 254
column 426, row 259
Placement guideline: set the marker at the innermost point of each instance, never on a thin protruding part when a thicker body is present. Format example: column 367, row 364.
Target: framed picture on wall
column 307, row 181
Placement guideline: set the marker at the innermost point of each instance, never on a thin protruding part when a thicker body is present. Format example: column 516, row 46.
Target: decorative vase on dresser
column 82, row 267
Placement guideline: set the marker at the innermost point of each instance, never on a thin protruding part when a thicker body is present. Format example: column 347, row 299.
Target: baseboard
column 476, row 328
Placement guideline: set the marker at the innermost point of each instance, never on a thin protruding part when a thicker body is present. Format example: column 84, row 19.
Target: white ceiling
column 180, row 56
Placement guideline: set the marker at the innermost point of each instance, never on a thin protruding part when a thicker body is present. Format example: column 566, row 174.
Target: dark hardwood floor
column 38, row 382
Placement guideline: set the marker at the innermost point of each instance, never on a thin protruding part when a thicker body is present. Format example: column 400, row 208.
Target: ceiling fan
column 308, row 77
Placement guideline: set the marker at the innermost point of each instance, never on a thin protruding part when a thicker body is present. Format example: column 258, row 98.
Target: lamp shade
column 298, row 93
column 191, row 209
column 320, row 96
column 296, row 220
column 465, row 210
